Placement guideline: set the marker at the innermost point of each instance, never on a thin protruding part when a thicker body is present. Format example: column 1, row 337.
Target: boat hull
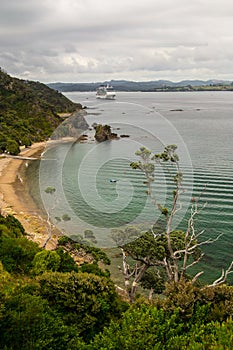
column 106, row 97
column 105, row 92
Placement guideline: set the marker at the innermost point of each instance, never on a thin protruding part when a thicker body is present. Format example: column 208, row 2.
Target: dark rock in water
column 176, row 110
column 104, row 133
column 82, row 138
column 123, row 135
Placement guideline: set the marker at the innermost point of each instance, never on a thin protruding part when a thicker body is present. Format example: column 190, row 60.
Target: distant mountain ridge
column 29, row 112
column 126, row 85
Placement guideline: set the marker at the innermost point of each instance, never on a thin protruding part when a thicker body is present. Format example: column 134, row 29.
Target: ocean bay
column 201, row 122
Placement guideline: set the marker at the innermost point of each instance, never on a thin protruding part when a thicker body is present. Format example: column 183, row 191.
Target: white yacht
column 105, row 92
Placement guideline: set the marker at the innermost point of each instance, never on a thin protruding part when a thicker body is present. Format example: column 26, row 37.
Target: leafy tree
column 46, row 260
column 12, row 147
column 16, row 251
column 146, row 327
column 185, row 252
column 29, row 323
column 84, row 299
column 26, row 141
column 83, row 250
column 5, row 232
column 15, row 227
column 95, row 269
column 144, row 252
column 140, row 328
column 153, row 280
column 67, row 263
column 17, row 254
column 187, row 297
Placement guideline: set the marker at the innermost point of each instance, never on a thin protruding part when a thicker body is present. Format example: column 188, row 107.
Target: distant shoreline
column 147, row 86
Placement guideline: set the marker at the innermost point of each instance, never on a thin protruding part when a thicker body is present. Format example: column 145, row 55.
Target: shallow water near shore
column 201, row 123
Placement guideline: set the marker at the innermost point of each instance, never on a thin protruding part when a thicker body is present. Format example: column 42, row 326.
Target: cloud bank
column 89, row 40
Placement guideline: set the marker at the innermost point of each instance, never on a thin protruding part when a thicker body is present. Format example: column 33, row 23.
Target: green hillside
column 29, row 112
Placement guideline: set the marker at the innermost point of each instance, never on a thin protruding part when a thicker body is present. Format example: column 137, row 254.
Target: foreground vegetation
column 48, row 302
column 29, row 112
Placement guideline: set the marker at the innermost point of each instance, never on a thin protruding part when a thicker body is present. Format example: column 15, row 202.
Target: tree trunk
column 151, row 294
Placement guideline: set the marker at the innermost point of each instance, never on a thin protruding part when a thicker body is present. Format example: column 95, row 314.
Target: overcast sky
column 94, row 40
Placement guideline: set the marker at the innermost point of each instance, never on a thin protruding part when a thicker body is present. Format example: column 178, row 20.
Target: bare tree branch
column 223, row 276
column 195, row 261
column 197, row 276
column 189, row 250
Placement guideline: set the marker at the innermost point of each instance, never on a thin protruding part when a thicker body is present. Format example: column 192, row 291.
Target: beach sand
column 15, row 200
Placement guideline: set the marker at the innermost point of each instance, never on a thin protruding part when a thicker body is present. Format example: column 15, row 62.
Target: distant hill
column 29, row 112
column 125, row 85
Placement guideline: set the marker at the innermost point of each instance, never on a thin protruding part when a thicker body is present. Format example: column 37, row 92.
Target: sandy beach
column 15, row 200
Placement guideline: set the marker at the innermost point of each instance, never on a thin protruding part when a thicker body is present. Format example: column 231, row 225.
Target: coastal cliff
column 72, row 126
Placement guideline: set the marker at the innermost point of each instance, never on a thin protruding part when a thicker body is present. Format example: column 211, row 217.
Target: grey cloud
column 20, row 13
column 81, row 40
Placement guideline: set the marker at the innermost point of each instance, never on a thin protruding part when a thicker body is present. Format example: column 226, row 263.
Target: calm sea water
column 200, row 123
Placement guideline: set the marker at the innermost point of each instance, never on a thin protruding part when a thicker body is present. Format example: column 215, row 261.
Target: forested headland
column 29, row 112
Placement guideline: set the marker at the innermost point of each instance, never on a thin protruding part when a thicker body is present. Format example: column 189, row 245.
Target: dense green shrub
column 12, row 147
column 15, row 227
column 187, row 298
column 84, row 299
column 148, row 328
column 16, row 251
column 29, row 323
column 17, row 254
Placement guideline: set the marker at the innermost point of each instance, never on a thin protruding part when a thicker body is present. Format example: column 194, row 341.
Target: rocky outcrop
column 104, row 133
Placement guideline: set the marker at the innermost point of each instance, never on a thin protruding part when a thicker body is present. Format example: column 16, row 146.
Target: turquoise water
column 200, row 123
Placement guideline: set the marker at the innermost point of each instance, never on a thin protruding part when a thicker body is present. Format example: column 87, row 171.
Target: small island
column 104, row 133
